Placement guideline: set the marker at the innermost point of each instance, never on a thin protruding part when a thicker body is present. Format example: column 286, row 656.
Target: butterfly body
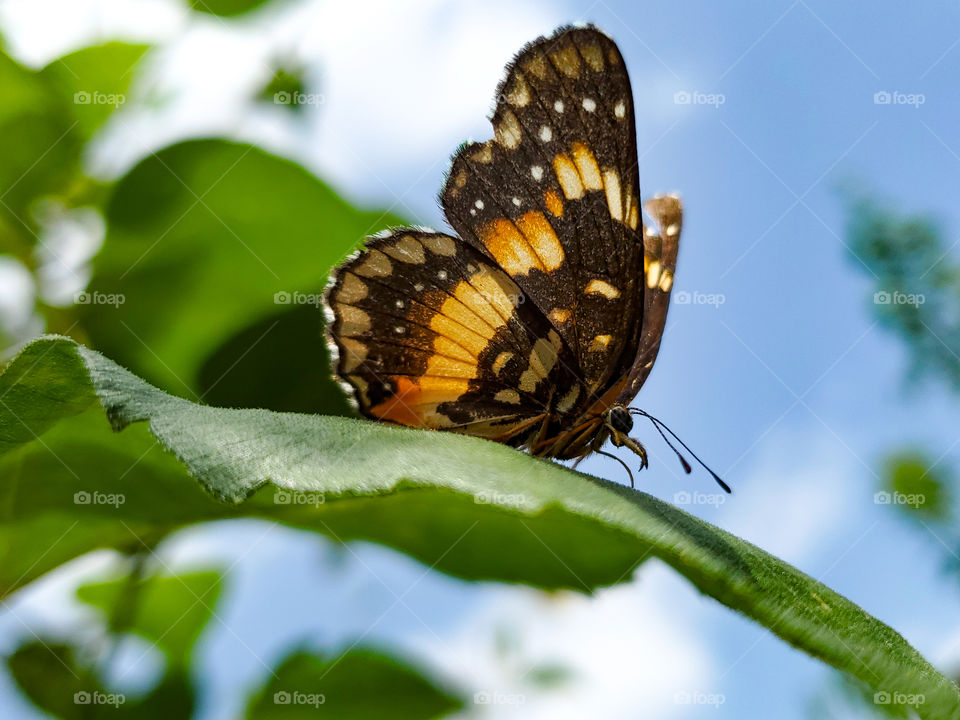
column 538, row 322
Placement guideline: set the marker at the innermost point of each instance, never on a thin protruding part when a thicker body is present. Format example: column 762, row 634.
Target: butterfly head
column 618, row 423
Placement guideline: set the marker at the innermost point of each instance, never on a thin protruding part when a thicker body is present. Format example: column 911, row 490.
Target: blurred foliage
column 917, row 289
column 167, row 611
column 917, row 296
column 285, row 87
column 213, row 246
column 54, row 678
column 225, row 7
column 97, row 79
column 356, row 685
column 45, row 119
column 171, row 611
column 923, row 486
column 419, row 491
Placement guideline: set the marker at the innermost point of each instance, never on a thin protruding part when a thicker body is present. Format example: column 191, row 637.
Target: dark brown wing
column 553, row 198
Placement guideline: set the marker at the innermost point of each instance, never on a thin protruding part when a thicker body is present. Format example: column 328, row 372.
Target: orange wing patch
column 415, row 400
column 530, row 243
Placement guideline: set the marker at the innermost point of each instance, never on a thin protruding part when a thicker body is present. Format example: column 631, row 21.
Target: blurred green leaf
column 169, row 611
column 286, row 373
column 463, row 505
column 50, row 675
column 915, row 485
column 225, row 7
column 39, row 151
column 45, row 118
column 284, row 88
column 96, row 80
column 358, row 685
column 208, row 243
column 917, row 286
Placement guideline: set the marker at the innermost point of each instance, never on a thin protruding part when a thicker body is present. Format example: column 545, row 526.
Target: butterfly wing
column 553, row 198
column 661, row 244
column 429, row 333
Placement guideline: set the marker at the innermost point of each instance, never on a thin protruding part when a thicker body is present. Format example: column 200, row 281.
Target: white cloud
column 794, row 499
column 629, row 646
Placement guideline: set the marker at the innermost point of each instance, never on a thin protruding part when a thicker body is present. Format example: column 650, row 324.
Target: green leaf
column 50, row 675
column 916, row 486
column 170, row 611
column 40, row 150
column 917, row 287
column 210, row 243
column 463, row 505
column 358, row 685
column 225, row 7
column 286, row 88
column 281, row 374
column 95, row 80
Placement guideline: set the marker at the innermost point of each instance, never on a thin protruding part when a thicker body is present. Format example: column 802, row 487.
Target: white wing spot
column 546, row 134
column 479, row 204
column 473, row 211
column 516, row 201
column 399, row 329
column 399, row 304
column 589, row 104
column 442, row 274
column 620, row 110
column 537, row 172
column 418, row 287
column 558, row 106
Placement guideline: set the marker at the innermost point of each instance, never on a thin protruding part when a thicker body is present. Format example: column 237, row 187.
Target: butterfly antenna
column 657, row 423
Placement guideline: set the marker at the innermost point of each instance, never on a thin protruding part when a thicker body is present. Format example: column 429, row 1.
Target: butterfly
column 536, row 324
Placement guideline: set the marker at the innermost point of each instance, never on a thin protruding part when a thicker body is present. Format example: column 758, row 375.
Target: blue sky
column 786, row 386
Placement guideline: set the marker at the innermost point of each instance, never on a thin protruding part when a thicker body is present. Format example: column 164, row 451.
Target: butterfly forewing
column 553, row 198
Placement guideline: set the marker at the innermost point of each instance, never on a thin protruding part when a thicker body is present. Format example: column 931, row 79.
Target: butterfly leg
column 622, row 440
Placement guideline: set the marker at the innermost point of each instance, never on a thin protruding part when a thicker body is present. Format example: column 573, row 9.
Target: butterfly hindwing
column 553, row 198
column 661, row 243
column 429, row 333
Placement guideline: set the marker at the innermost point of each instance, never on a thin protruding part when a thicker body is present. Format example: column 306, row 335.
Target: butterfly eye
column 619, row 419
